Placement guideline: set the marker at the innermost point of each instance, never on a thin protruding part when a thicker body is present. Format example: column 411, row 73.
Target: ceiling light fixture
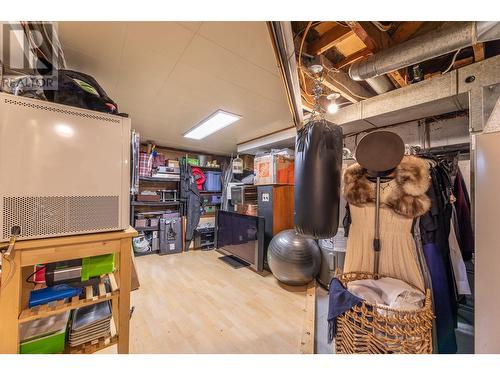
column 213, row 123
column 333, row 107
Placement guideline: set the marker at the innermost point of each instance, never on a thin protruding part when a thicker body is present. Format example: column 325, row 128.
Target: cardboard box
column 274, row 169
column 147, row 198
column 140, row 223
column 246, row 209
column 173, row 163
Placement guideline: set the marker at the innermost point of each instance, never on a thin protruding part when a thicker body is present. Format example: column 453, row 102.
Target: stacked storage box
column 44, row 336
column 276, row 167
column 97, row 266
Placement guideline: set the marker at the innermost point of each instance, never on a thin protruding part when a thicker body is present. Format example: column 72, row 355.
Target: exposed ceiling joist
column 376, row 40
column 329, row 40
column 354, row 57
column 405, row 31
column 463, row 62
column 323, row 27
column 398, row 77
column 338, row 81
column 335, row 80
column 372, row 37
column 478, row 52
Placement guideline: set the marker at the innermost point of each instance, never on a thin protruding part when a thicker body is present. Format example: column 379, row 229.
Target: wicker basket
column 372, row 329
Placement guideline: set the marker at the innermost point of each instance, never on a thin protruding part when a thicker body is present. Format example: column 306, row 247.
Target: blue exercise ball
column 293, row 259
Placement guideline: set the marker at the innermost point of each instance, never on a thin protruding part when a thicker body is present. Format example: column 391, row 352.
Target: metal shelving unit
column 208, row 168
column 135, row 206
column 146, row 253
column 147, row 229
column 172, row 203
column 158, row 179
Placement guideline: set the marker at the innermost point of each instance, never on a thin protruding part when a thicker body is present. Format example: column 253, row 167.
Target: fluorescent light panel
column 215, row 122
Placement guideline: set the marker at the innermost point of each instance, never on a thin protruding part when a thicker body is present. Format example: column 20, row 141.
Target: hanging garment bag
column 318, row 166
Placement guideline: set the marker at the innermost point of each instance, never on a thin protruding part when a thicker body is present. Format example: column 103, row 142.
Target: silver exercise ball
column 293, row 259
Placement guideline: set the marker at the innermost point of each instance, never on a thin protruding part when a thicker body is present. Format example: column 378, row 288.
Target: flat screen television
column 241, row 236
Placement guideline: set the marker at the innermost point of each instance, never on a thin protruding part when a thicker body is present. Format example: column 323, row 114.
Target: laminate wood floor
column 195, row 303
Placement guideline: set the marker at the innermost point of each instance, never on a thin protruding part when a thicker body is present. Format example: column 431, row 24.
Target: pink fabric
column 144, row 171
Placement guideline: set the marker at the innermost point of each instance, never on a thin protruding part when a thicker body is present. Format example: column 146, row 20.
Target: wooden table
column 14, row 295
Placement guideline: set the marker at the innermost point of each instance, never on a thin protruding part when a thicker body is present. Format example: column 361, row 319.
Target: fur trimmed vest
column 408, row 198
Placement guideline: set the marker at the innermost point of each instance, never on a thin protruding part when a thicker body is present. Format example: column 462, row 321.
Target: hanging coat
column 457, row 262
column 435, row 230
column 464, row 227
column 191, row 196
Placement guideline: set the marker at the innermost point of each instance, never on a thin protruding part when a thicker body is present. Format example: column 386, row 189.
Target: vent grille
column 50, row 216
column 60, row 110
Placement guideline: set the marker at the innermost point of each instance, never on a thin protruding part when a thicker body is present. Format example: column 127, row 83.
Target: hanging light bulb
column 333, row 107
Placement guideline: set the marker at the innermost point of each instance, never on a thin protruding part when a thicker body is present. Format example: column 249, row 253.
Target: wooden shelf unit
column 92, row 347
column 27, row 253
column 28, row 315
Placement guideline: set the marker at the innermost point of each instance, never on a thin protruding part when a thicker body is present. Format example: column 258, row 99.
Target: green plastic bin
column 97, row 266
column 45, row 345
column 193, row 161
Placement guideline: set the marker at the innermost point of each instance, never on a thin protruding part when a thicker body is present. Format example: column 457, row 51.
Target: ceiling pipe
column 380, row 84
column 448, row 38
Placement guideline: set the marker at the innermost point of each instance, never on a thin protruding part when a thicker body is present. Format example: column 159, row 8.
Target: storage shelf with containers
column 70, row 299
column 157, row 211
column 210, row 172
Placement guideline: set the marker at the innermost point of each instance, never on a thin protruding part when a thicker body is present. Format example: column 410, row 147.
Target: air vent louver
column 60, row 110
column 46, row 216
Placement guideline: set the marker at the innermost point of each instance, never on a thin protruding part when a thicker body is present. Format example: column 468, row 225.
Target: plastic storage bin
column 215, row 199
column 45, row 335
column 97, row 266
column 52, row 344
column 212, row 181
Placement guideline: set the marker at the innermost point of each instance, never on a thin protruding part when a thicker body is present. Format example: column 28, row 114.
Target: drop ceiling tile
column 188, row 82
column 168, row 79
column 105, row 74
column 164, row 38
column 200, row 89
column 150, row 52
column 250, row 40
column 191, row 25
column 102, row 40
column 207, row 56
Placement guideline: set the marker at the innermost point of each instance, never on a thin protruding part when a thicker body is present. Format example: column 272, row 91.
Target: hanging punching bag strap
column 376, row 239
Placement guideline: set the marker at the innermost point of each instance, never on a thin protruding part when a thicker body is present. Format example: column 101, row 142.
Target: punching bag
column 318, row 169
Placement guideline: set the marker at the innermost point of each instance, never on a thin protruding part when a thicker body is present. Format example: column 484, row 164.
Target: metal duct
column 441, row 41
column 380, row 84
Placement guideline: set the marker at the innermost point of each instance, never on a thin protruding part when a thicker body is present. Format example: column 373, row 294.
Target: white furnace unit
column 63, row 170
